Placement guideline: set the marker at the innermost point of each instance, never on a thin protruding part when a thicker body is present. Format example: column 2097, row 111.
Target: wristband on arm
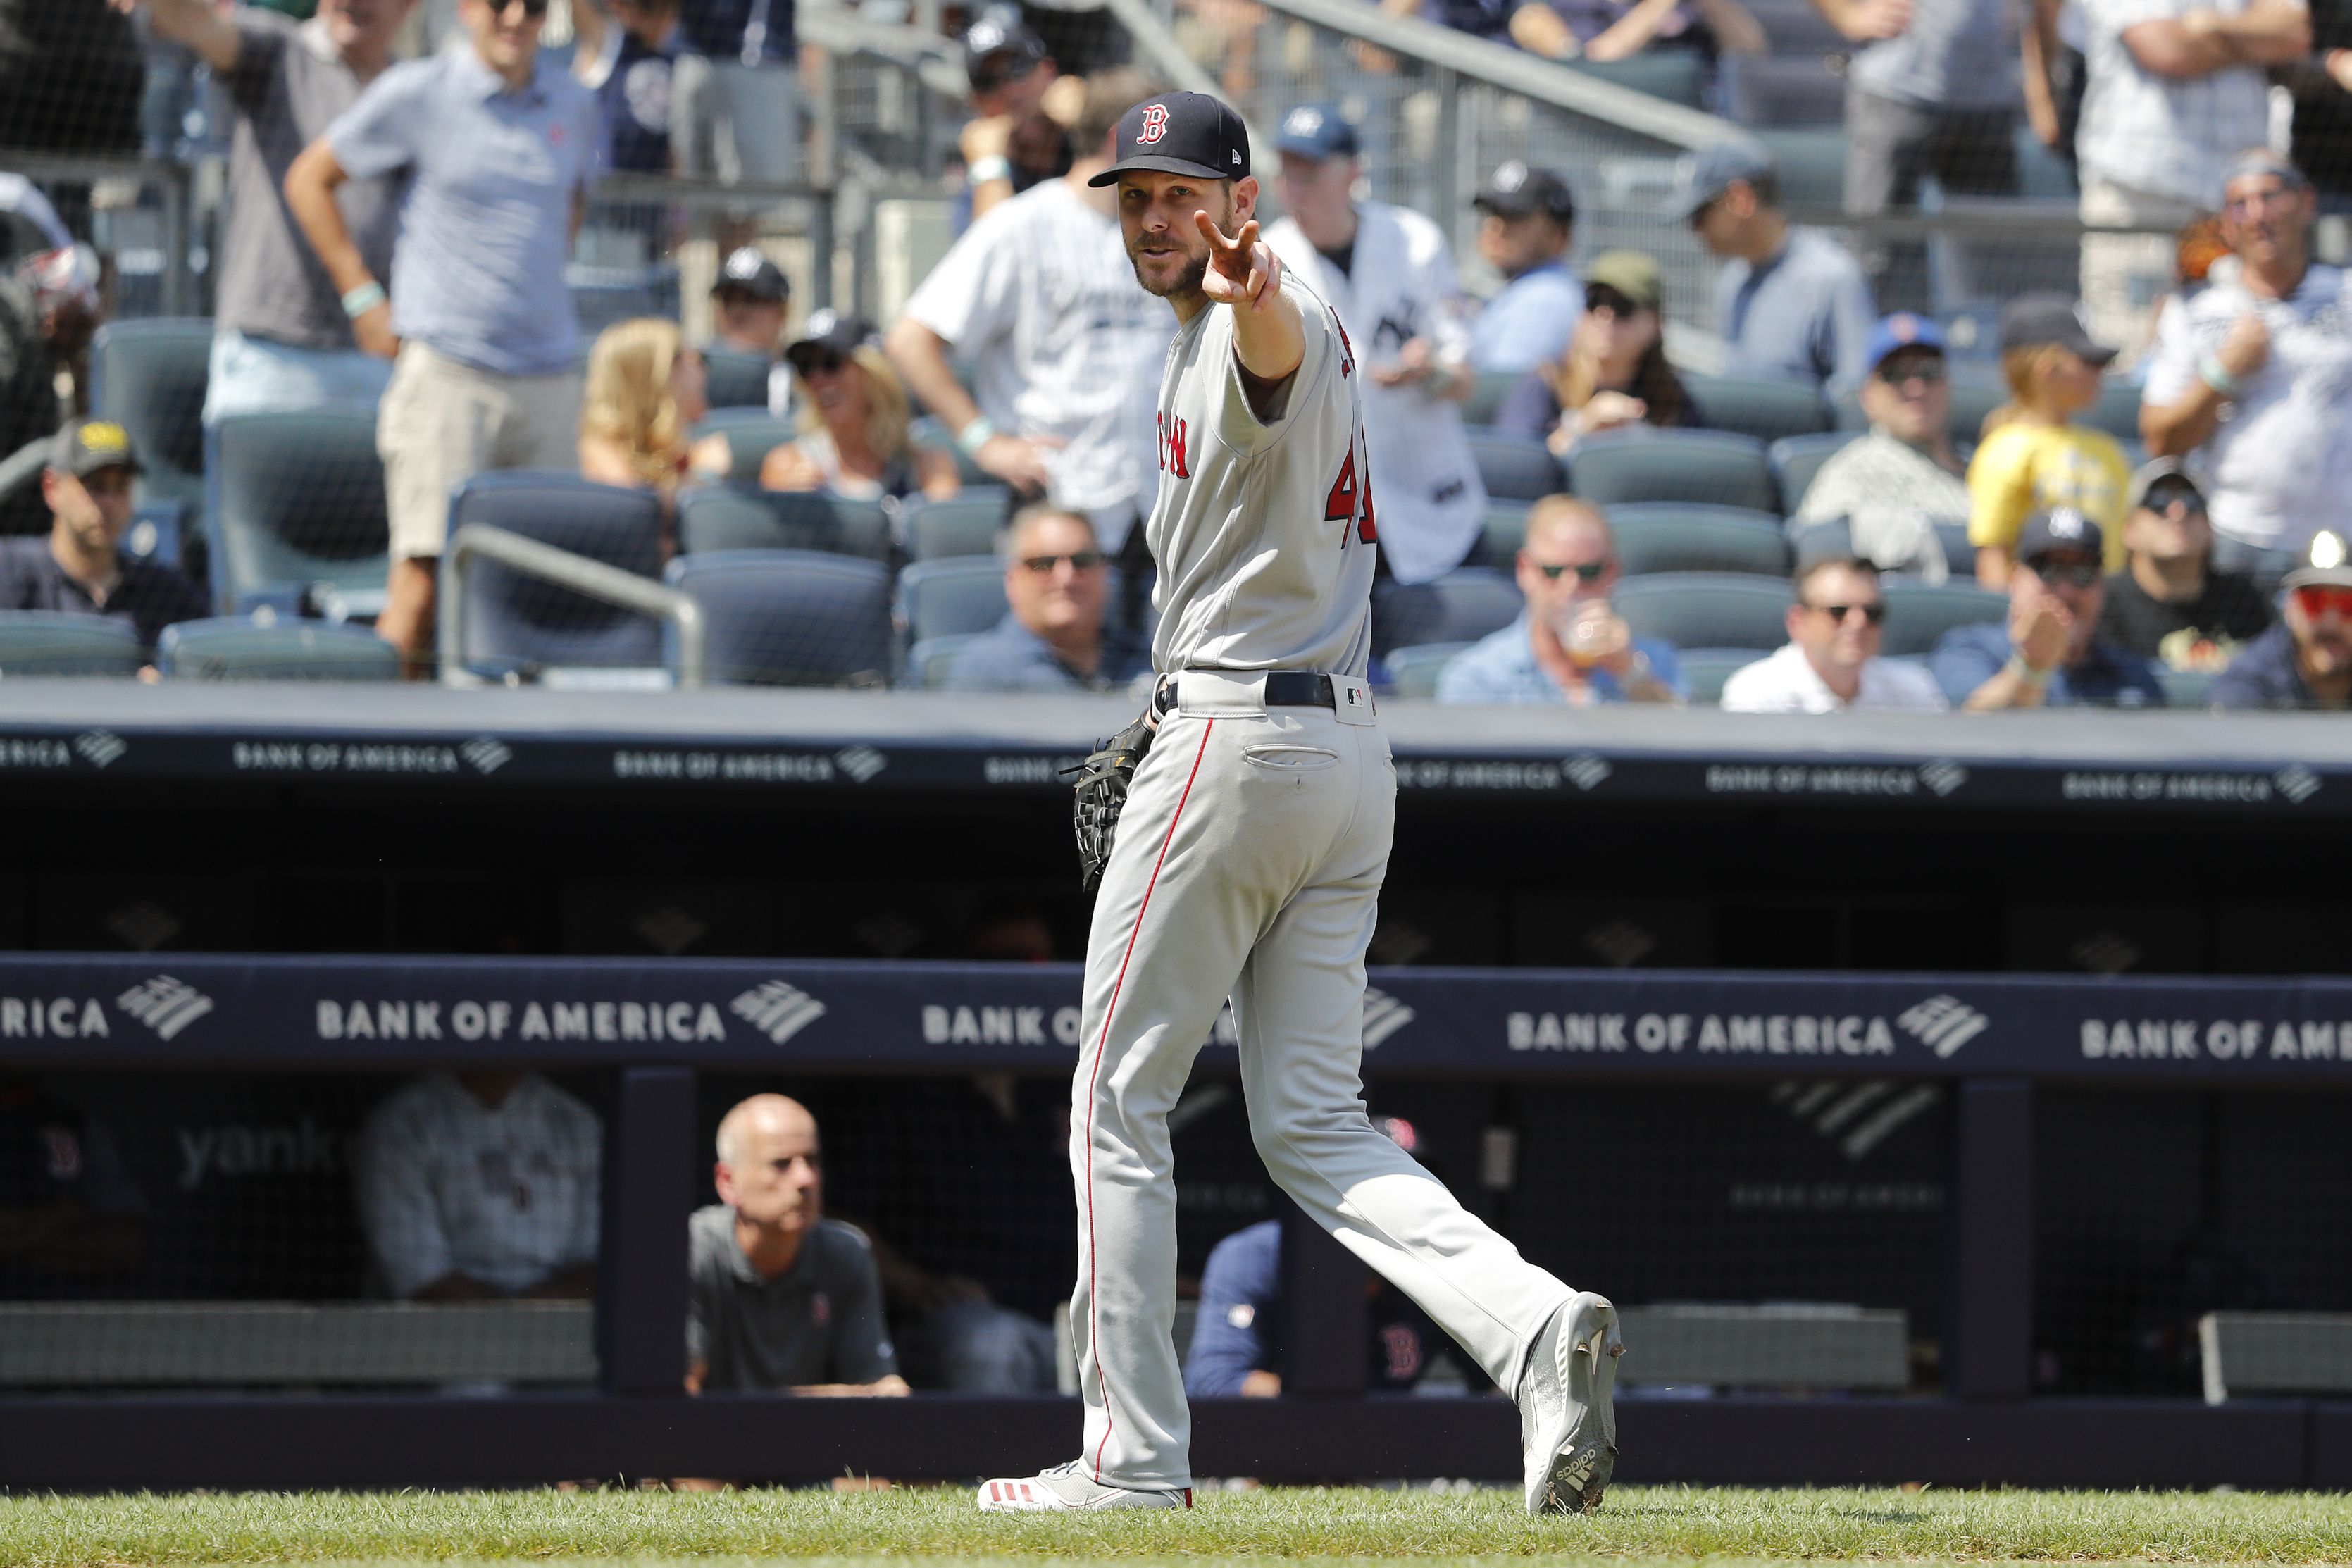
column 2025, row 674
column 2215, row 374
column 984, row 170
column 364, row 299
column 976, row 435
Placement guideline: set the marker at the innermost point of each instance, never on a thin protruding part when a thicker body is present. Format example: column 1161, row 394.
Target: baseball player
column 1248, row 858
column 1386, row 270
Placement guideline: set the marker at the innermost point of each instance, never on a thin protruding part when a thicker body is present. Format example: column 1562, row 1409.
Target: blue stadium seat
column 149, row 377
column 158, row 534
column 1487, row 392
column 604, row 295
column 1462, row 606
column 1414, row 671
column 1796, row 459
column 1959, row 556
column 736, row 380
column 1793, row 27
column 60, row 642
column 954, row 597
column 294, row 504
column 1678, row 76
column 752, row 434
column 721, row 517
column 929, row 661
column 1705, row 670
column 235, row 648
column 788, row 618
column 1505, row 530
column 1675, row 536
column 1712, row 467
column 2117, row 411
column 1706, row 609
column 2191, row 688
column 1812, row 162
column 966, row 524
column 1917, row 614
column 1768, row 410
column 1783, row 90
column 1514, row 466
column 517, row 623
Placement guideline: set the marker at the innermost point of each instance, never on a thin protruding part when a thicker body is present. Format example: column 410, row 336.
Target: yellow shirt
column 2025, row 468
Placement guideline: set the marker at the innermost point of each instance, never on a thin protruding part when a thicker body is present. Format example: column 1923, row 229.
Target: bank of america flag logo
column 165, row 1004
column 1943, row 776
column 2297, row 783
column 860, row 763
column 1383, row 1015
column 1587, row 772
column 486, row 753
column 777, row 1010
column 100, row 747
column 1944, row 1023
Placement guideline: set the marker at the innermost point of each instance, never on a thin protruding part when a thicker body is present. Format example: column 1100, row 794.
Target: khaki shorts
column 442, row 421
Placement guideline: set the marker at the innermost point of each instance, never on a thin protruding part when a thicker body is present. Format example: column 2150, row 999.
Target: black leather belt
column 1284, row 688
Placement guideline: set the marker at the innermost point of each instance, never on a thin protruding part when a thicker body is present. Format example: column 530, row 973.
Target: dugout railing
column 2000, row 1069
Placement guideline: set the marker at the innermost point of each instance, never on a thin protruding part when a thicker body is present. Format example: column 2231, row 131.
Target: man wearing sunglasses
column 1052, row 637
column 1568, row 646
column 2256, row 369
column 1889, row 486
column 2170, row 603
column 2305, row 660
column 1836, row 628
column 1009, row 71
column 2047, row 654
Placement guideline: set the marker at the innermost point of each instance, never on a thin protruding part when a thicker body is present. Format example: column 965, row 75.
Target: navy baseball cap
column 2061, row 530
column 748, row 271
column 1179, row 134
column 1317, row 131
column 998, row 47
column 1898, row 331
column 1514, row 190
column 830, row 333
column 1713, row 170
column 2032, row 320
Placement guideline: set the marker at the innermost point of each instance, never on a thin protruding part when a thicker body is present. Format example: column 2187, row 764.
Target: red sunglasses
column 2318, row 598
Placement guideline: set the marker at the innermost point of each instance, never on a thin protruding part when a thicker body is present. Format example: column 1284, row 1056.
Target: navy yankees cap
column 1317, row 131
column 748, row 271
column 1514, row 190
column 2061, row 530
column 1179, row 133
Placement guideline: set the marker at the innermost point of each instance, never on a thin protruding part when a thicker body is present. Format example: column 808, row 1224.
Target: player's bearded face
column 1165, row 245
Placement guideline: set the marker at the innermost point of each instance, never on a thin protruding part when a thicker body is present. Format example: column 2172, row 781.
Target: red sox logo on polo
column 1155, row 123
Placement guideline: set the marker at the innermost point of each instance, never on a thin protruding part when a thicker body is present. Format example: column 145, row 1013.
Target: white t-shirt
column 1040, row 295
column 2279, row 461
column 1786, row 682
column 2169, row 136
column 1400, row 285
column 1263, row 530
column 505, row 1196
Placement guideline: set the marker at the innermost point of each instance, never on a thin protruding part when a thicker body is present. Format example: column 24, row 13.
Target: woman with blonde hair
column 856, row 437
column 645, row 389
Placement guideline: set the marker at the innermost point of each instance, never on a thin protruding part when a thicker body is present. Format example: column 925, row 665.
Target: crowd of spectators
column 392, row 226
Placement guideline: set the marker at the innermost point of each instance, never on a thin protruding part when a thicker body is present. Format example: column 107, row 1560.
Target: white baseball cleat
column 1568, row 1423
column 1068, row 1489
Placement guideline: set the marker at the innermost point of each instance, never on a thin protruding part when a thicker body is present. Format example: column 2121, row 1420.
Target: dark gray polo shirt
column 818, row 1321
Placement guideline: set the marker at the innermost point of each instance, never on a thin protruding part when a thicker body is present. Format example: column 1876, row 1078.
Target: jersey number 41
column 1350, row 500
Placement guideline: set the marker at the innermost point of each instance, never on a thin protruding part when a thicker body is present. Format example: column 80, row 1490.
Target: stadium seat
column 1414, row 671
column 1705, row 670
column 1797, row 458
column 788, row 618
column 1812, row 167
column 235, row 648
column 1706, row 609
column 1959, row 556
column 752, row 434
column 1487, row 394
column 605, row 295
column 2042, row 175
column 149, row 377
column 2191, row 688
column 158, row 534
column 295, row 507
column 1783, row 90
column 1917, row 614
column 720, row 517
column 61, row 642
column 1462, row 606
column 1507, row 529
column 2117, row 411
column 929, row 432
column 515, row 623
column 1793, row 27
column 1514, row 466
column 736, row 380
column 1679, row 536
column 1678, row 76
column 927, row 662
column 1768, row 410
column 1714, row 468
column 954, row 597
column 966, row 524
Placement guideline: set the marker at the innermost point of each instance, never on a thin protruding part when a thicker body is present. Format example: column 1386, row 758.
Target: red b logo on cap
column 1155, row 124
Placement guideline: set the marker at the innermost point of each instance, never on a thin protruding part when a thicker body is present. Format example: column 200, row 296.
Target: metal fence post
column 641, row 1264
column 1451, row 157
column 1988, row 1317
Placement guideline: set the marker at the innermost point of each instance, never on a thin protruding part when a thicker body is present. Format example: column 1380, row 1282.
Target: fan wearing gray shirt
column 1791, row 303
column 782, row 1297
column 280, row 338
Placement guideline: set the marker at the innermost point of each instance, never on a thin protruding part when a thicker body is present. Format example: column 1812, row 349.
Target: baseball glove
column 1101, row 783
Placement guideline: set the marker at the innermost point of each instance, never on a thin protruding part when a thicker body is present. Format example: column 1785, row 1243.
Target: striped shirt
column 2165, row 136
column 1039, row 294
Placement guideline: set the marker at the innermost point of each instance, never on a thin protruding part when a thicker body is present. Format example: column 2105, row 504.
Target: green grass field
column 1640, row 1524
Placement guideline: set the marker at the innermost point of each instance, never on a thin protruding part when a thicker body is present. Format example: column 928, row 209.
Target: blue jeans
column 254, row 375
column 983, row 1348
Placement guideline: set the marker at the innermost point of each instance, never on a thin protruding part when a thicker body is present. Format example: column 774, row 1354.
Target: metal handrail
column 1514, row 70
column 597, row 580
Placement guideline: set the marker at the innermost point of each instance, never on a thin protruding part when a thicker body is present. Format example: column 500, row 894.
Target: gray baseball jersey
column 1263, row 529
